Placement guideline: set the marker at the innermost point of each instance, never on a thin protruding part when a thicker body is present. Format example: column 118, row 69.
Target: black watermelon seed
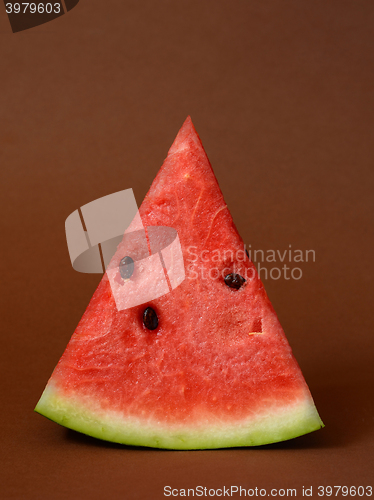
column 234, row 281
column 246, row 251
column 150, row 319
column 126, row 267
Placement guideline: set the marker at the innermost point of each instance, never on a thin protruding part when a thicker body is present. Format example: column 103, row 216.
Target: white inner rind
column 273, row 425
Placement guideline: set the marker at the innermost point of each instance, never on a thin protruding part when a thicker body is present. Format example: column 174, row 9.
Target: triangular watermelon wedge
column 217, row 371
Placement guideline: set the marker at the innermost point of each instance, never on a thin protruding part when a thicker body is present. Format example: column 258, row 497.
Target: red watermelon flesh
column 217, row 371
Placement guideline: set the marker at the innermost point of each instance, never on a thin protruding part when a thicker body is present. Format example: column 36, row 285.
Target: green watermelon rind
column 274, row 425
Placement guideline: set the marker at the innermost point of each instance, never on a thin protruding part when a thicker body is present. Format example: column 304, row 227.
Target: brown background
column 281, row 93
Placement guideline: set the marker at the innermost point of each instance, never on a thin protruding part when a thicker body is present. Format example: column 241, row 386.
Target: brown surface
column 281, row 93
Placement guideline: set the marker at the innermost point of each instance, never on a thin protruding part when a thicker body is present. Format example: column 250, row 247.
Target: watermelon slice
column 215, row 369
